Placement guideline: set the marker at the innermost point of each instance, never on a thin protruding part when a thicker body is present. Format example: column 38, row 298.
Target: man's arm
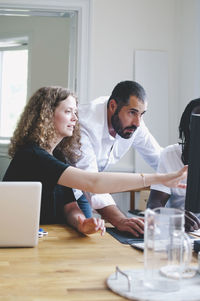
column 114, row 216
column 104, row 203
column 88, row 162
column 147, row 146
column 157, row 199
column 77, row 220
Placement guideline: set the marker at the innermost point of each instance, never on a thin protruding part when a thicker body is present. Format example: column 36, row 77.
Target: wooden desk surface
column 64, row 266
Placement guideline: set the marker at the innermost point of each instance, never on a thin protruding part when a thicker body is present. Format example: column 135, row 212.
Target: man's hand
column 191, row 222
column 113, row 215
column 132, row 225
column 90, row 225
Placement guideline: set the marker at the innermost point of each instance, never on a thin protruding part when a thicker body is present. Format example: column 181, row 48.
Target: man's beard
column 117, row 126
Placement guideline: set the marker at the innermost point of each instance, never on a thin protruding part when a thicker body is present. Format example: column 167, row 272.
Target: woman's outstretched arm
column 105, row 182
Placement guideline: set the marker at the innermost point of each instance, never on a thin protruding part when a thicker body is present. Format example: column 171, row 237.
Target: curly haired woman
column 46, row 145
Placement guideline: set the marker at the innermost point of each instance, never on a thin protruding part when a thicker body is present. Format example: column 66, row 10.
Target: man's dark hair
column 184, row 128
column 123, row 90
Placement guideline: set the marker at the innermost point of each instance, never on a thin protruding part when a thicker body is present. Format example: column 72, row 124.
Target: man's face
column 128, row 119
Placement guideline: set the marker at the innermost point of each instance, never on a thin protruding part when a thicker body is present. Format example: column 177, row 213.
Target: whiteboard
column 151, row 71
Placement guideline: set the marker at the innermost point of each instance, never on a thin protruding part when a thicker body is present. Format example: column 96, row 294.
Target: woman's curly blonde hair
column 36, row 124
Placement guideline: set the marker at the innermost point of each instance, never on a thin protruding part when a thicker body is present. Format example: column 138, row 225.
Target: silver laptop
column 19, row 213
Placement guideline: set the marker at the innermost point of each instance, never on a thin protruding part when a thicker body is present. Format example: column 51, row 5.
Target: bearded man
column 110, row 126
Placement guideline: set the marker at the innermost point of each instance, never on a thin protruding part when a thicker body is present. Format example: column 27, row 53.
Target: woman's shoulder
column 30, row 150
column 35, row 153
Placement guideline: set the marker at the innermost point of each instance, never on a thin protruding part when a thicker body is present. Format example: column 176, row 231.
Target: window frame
column 83, row 9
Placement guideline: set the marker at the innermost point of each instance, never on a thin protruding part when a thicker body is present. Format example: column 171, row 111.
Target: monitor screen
column 192, row 202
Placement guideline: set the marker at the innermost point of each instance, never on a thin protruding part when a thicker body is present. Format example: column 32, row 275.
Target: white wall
column 119, row 27
column 188, row 52
column 151, row 71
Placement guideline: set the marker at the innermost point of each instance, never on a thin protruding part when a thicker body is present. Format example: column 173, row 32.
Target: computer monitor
column 192, row 201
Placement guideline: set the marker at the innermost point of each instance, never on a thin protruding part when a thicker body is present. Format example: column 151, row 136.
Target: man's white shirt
column 100, row 149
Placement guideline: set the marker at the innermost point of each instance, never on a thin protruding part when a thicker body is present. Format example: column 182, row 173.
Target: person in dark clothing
column 173, row 157
column 45, row 147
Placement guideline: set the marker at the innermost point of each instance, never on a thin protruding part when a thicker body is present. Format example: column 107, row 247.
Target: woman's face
column 65, row 117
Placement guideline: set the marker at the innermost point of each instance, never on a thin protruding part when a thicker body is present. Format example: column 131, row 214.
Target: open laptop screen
column 19, row 213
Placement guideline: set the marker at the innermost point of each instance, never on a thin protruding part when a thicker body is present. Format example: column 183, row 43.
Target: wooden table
column 64, row 266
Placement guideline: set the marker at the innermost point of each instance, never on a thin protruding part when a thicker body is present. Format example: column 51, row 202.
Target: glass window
column 13, row 87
